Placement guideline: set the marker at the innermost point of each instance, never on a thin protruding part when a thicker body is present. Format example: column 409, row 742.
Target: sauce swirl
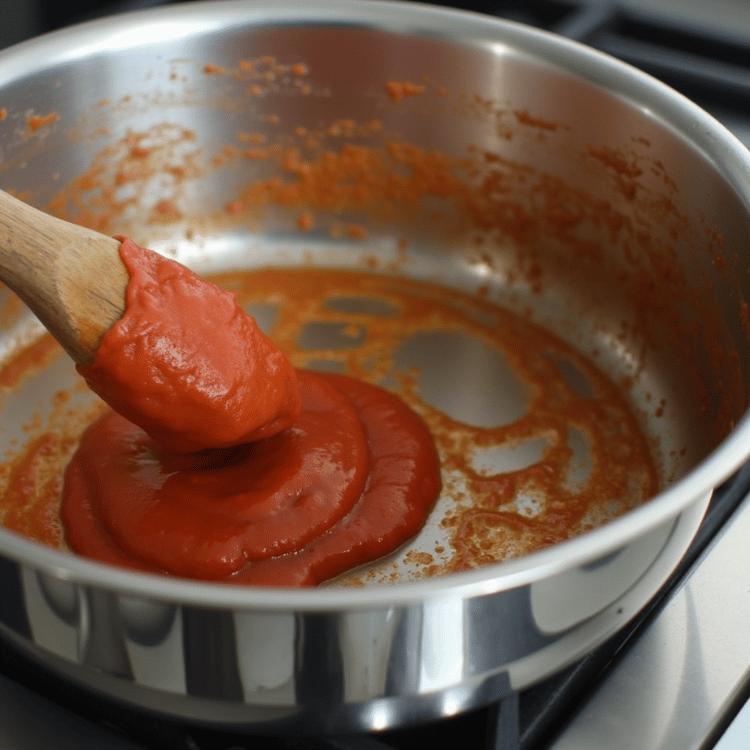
column 219, row 462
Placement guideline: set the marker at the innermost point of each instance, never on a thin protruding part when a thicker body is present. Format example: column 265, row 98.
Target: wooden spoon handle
column 71, row 277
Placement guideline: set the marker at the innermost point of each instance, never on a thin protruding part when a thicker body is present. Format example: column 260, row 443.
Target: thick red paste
column 308, row 474
column 187, row 364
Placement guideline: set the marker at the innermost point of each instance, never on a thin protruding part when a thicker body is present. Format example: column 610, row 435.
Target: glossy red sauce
column 308, row 475
column 187, row 364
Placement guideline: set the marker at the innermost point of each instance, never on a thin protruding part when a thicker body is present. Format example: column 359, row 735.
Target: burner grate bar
column 589, row 18
column 681, row 69
column 503, row 725
column 711, row 65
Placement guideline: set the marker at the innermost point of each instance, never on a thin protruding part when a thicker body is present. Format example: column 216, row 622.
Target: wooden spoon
column 71, row 277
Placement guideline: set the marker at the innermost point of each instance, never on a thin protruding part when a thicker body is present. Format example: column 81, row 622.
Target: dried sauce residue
column 35, row 122
column 398, row 90
column 29, row 359
column 31, row 502
column 143, row 174
column 525, row 118
column 264, row 75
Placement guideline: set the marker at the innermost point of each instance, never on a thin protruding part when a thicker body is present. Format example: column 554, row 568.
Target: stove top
column 679, row 675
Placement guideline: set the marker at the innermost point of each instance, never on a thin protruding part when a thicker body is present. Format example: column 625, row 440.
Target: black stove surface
column 712, row 69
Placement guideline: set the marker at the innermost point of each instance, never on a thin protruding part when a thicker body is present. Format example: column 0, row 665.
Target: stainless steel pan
column 657, row 298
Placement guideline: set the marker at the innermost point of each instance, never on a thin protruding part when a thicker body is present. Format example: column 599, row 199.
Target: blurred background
column 21, row 19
